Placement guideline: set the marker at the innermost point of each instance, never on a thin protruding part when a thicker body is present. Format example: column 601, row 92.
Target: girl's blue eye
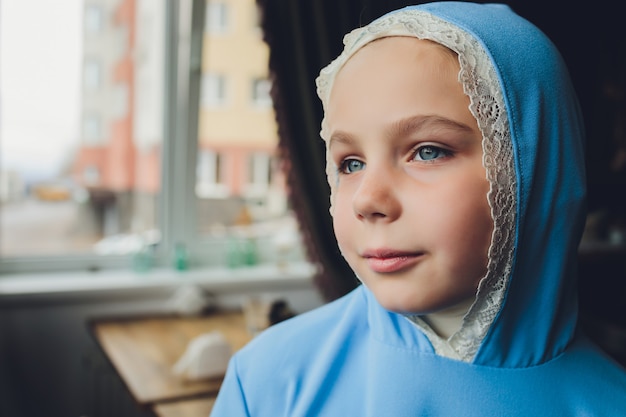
column 430, row 153
column 349, row 166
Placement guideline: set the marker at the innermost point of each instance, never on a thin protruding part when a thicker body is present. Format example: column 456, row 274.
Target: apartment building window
column 213, row 90
column 216, row 18
column 259, row 172
column 261, row 92
column 93, row 18
column 92, row 130
column 210, row 175
column 259, row 175
column 92, row 74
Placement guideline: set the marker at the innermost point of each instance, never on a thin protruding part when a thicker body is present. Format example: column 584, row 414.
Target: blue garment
column 352, row 357
column 339, row 361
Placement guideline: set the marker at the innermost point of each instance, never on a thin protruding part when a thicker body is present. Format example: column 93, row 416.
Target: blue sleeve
column 230, row 401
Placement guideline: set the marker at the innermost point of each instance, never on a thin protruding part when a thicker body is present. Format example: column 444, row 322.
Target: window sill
column 123, row 283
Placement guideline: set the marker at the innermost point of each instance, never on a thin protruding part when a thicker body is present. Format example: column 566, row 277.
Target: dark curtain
column 305, row 35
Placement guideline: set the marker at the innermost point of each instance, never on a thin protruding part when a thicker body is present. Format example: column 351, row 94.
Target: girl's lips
column 388, row 262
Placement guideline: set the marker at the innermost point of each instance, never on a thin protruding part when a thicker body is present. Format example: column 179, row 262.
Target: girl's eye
column 430, row 153
column 348, row 166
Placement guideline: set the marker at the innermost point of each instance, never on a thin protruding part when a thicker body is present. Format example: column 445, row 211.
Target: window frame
column 184, row 30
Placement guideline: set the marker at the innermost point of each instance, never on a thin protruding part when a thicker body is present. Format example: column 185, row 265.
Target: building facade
column 118, row 161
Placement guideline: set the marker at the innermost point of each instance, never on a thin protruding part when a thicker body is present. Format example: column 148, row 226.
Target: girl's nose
column 375, row 199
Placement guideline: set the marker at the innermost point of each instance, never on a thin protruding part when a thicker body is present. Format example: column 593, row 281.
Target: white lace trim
column 480, row 83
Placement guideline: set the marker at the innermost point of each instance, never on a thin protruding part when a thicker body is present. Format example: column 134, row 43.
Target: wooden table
column 189, row 408
column 144, row 350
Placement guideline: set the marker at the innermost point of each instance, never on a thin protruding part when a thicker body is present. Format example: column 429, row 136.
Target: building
column 122, row 110
column 237, row 129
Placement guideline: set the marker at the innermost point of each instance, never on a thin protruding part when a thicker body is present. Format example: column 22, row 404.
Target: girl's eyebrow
column 414, row 124
column 408, row 126
column 340, row 137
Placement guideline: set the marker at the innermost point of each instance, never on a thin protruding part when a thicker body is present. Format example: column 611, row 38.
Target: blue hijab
column 519, row 352
column 538, row 316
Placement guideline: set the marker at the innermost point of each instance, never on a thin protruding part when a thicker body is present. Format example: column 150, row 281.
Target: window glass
column 81, row 128
column 251, row 183
column 95, row 162
column 92, row 131
column 259, row 170
column 213, row 90
column 93, row 18
column 91, row 74
column 261, row 92
column 217, row 15
column 210, row 179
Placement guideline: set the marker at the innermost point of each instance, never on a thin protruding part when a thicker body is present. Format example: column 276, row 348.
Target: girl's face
column 410, row 207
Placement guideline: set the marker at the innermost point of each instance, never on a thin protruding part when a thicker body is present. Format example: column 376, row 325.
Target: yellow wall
column 241, row 53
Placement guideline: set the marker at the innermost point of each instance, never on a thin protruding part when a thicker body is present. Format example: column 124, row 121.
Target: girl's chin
column 406, row 305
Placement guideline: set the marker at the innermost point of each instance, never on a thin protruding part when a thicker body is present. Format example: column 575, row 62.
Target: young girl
column 455, row 160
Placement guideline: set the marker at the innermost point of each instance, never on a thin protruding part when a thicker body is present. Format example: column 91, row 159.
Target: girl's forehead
column 370, row 66
column 396, row 78
column 420, row 51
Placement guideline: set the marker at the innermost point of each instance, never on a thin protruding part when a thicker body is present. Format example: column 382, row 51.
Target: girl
column 454, row 156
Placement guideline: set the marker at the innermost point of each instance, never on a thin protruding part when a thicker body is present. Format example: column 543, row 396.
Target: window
column 261, row 92
column 92, row 131
column 259, row 170
column 216, row 20
column 77, row 176
column 93, row 18
column 209, row 177
column 213, row 90
column 240, row 137
column 120, row 139
column 92, row 74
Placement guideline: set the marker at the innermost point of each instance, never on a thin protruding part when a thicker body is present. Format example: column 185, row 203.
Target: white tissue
column 206, row 356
